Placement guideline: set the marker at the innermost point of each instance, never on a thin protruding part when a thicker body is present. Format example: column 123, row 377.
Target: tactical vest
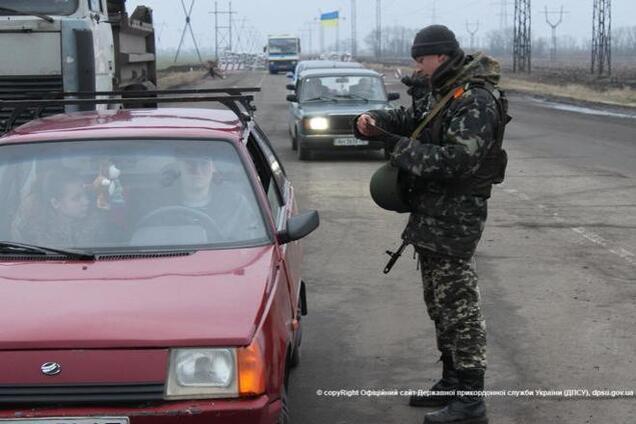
column 493, row 165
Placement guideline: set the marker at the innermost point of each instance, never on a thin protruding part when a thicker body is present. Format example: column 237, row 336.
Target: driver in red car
column 197, row 196
column 203, row 188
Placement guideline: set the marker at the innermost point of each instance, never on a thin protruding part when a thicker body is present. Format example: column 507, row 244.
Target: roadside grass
column 613, row 96
column 179, row 79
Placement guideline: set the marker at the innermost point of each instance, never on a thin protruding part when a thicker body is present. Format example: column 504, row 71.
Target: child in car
column 58, row 213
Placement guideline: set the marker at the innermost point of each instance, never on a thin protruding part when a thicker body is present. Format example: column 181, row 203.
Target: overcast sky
column 257, row 18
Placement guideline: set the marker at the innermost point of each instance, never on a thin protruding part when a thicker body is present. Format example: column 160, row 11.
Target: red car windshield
column 127, row 195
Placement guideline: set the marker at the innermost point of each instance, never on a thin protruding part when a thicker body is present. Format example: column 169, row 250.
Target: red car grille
column 61, row 394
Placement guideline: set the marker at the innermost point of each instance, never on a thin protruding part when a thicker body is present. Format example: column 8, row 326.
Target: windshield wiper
column 354, row 96
column 19, row 12
column 22, row 248
column 324, row 99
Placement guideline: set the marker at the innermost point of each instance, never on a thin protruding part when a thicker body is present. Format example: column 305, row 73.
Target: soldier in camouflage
column 450, row 167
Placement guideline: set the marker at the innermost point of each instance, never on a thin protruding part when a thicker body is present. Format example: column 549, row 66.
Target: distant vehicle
column 160, row 254
column 283, row 53
column 326, row 101
column 75, row 45
column 320, row 64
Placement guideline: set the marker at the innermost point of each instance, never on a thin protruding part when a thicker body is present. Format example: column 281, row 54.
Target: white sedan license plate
column 349, row 141
column 73, row 420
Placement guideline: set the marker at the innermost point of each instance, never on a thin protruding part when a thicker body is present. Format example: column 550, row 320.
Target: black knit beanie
column 434, row 39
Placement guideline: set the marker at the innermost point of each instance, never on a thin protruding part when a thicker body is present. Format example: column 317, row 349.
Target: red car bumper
column 245, row 411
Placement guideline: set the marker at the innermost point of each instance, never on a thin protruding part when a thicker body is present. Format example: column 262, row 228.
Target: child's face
column 73, row 203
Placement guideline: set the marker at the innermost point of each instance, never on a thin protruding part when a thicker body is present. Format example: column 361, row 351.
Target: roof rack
column 234, row 99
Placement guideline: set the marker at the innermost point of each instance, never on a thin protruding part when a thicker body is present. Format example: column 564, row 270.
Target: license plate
column 349, row 141
column 81, row 420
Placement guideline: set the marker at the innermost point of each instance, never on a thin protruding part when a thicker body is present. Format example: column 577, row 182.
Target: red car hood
column 209, row 298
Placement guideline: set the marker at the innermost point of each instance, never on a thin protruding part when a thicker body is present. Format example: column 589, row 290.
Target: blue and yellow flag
column 329, row 19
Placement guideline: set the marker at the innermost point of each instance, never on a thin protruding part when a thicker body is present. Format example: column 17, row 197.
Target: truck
column 74, row 46
column 283, row 53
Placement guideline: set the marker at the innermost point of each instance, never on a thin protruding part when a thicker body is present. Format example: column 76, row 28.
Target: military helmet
column 386, row 189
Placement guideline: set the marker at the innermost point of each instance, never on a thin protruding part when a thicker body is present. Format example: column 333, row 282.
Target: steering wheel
column 211, row 227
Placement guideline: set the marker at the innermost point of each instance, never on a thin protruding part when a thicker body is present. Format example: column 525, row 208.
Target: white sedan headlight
column 202, row 373
column 319, row 124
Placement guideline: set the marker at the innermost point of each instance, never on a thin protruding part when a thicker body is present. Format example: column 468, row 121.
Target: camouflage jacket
column 444, row 220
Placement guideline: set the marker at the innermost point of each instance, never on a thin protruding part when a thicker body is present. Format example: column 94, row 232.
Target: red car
column 149, row 270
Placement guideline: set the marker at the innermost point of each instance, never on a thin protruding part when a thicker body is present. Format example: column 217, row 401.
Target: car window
column 276, row 166
column 343, row 86
column 266, row 176
column 128, row 195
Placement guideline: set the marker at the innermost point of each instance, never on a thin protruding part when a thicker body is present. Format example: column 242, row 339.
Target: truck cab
column 75, row 45
column 283, row 53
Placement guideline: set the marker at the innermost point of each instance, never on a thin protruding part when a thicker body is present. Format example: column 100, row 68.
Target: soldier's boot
column 448, row 383
column 463, row 409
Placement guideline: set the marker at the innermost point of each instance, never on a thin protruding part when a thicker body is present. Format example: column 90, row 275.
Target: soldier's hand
column 367, row 126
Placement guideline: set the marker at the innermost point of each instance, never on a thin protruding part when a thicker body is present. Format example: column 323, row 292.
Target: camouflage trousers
column 452, row 301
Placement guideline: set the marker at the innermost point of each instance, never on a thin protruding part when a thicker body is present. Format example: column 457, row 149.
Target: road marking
column 621, row 252
column 595, row 238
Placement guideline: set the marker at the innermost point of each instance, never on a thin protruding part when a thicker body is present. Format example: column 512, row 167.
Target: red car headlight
column 202, row 373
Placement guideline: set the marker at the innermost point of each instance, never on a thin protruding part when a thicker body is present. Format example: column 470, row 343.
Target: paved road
column 557, row 266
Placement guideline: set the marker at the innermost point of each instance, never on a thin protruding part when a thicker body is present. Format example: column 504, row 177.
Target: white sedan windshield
column 121, row 194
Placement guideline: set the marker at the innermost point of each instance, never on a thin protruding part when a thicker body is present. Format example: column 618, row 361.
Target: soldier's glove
column 390, row 140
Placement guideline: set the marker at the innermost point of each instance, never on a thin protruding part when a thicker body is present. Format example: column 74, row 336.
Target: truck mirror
column 292, row 98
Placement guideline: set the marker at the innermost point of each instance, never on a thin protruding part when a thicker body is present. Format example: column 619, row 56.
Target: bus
column 283, row 53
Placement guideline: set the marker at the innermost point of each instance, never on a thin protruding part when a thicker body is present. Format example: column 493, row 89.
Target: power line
column 354, row 30
column 522, row 46
column 472, row 30
column 553, row 25
column 378, row 25
column 602, row 37
column 219, row 36
column 188, row 26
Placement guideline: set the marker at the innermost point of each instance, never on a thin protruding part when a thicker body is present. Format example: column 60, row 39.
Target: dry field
column 574, row 81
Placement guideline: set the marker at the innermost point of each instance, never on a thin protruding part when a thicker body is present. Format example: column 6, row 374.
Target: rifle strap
column 452, row 94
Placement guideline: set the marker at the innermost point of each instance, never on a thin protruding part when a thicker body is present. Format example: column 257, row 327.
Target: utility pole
column 434, row 13
column 240, row 31
column 354, row 30
column 503, row 14
column 378, row 25
column 602, row 37
column 338, row 32
column 188, row 26
column 472, row 31
column 553, row 25
column 310, row 32
column 218, row 29
column 321, row 29
column 522, row 49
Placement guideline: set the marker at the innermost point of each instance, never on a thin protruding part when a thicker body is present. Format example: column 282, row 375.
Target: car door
column 281, row 203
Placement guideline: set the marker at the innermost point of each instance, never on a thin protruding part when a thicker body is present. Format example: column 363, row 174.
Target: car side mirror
column 393, row 96
column 292, row 98
column 291, row 87
column 299, row 226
